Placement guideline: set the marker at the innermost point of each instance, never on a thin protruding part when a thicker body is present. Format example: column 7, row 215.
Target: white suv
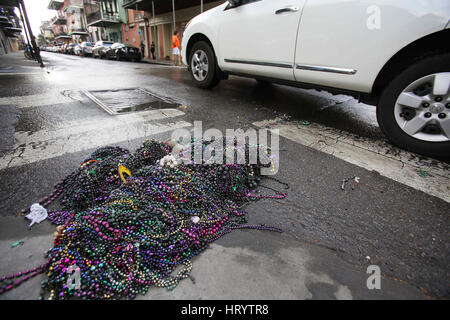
column 393, row 54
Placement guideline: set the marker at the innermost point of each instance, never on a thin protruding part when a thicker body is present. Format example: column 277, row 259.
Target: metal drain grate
column 121, row 101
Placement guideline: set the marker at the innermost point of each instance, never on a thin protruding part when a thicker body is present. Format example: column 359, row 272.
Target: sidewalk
column 15, row 62
column 247, row 264
column 159, row 62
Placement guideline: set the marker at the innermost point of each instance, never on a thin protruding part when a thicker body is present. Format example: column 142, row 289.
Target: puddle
column 128, row 100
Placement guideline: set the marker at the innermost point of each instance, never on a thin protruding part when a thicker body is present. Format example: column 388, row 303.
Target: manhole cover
column 128, row 100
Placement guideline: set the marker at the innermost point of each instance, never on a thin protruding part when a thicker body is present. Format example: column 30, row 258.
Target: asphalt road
column 396, row 218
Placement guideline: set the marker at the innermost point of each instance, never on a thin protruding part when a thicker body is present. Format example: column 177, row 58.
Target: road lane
column 400, row 228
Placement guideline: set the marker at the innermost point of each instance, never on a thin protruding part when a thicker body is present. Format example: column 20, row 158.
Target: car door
column 258, row 37
column 344, row 44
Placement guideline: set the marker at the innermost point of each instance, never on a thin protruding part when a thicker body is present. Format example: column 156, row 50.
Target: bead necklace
column 128, row 233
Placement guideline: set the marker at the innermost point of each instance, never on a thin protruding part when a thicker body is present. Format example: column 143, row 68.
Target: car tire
column 202, row 56
column 414, row 107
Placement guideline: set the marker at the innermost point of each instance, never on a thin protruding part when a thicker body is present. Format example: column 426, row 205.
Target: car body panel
column 86, row 48
column 339, row 44
column 361, row 36
column 99, row 48
column 123, row 52
column 265, row 44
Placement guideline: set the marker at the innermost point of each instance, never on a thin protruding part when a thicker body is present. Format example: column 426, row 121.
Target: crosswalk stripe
column 19, row 73
column 77, row 136
column 389, row 161
column 35, row 100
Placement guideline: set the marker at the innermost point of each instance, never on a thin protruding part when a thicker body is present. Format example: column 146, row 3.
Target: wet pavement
column 396, row 219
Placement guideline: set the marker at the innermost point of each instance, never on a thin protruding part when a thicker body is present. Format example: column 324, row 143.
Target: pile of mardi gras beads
column 125, row 235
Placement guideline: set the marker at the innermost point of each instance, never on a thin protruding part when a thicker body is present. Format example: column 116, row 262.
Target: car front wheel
column 414, row 109
column 202, row 64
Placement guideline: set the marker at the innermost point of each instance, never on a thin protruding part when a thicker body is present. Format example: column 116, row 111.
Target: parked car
column 86, row 49
column 70, row 48
column 100, row 47
column 395, row 55
column 77, row 50
column 64, row 48
column 119, row 51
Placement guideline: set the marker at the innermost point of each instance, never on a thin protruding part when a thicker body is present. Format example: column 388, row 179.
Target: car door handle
column 287, row 9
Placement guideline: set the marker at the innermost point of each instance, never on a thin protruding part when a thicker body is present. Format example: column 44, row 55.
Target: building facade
column 155, row 21
column 105, row 18
column 133, row 22
column 46, row 35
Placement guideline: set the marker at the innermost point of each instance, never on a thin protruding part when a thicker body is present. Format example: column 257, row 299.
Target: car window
column 243, row 2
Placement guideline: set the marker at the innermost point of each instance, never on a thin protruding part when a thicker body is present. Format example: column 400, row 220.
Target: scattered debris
column 182, row 107
column 282, row 116
column 15, row 244
column 423, row 173
column 345, row 180
column 168, row 161
column 37, row 214
column 195, row 219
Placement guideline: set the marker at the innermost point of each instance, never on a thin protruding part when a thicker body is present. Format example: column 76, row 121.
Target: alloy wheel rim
column 422, row 109
column 200, row 65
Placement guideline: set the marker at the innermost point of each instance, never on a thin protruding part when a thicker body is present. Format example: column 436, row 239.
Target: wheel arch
column 196, row 38
column 202, row 37
column 436, row 42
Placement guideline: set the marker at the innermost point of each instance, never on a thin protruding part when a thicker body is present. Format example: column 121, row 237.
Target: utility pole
column 156, row 28
column 25, row 29
column 30, row 32
column 173, row 11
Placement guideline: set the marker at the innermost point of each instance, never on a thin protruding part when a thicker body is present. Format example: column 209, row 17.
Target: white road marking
column 77, row 136
column 36, row 100
column 389, row 161
column 19, row 73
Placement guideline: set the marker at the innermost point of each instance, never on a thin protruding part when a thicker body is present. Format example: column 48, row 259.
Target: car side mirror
column 234, row 3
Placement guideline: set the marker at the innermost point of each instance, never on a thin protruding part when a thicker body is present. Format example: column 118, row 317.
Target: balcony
column 161, row 6
column 46, row 26
column 97, row 16
column 73, row 6
column 78, row 32
column 62, row 36
column 55, row 4
column 59, row 19
column 12, row 31
column 5, row 21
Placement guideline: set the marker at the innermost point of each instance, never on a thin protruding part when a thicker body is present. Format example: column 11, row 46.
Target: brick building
column 69, row 23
